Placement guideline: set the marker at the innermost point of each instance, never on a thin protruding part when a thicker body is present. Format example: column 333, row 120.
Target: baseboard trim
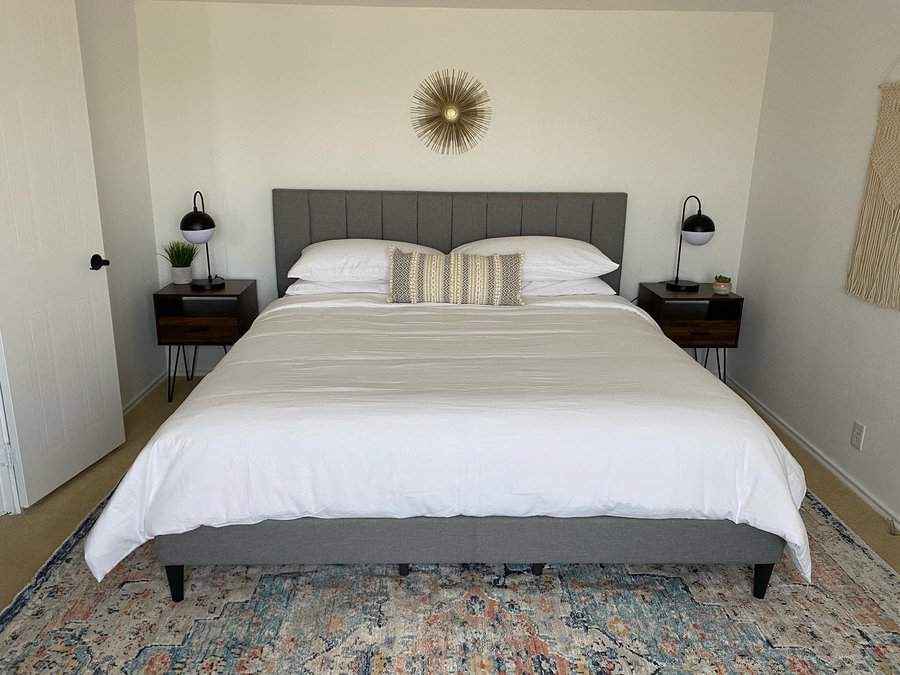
column 142, row 394
column 776, row 420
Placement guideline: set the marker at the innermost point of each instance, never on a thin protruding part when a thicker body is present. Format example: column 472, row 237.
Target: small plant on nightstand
column 722, row 285
column 180, row 255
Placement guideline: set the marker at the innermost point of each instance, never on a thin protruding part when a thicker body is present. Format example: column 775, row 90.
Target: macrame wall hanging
column 875, row 267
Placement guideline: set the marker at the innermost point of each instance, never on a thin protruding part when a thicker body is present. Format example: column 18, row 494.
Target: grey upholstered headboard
column 443, row 220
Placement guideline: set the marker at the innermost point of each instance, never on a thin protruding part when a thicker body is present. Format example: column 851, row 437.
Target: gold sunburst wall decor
column 450, row 111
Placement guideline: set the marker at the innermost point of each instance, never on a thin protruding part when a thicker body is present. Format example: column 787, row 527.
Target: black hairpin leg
column 184, row 361
column 761, row 576
column 722, row 366
column 706, row 357
column 225, row 348
column 175, row 577
column 190, row 374
column 171, row 376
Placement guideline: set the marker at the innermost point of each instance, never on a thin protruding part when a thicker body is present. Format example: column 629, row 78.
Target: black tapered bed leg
column 537, row 569
column 403, row 569
column 175, row 575
column 761, row 576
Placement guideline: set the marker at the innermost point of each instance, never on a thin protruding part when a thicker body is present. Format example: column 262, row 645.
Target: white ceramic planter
column 181, row 275
column 721, row 287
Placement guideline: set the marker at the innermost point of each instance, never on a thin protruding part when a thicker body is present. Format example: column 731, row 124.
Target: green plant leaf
column 179, row 253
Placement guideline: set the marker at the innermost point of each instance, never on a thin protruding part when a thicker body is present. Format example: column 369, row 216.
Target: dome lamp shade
column 197, row 227
column 696, row 230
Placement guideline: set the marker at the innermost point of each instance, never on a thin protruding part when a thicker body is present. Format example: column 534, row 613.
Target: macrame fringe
column 875, row 266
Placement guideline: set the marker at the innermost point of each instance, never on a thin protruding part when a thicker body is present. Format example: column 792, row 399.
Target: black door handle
column 97, row 261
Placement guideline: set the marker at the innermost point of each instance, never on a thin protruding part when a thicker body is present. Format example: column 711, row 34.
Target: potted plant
column 180, row 255
column 722, row 285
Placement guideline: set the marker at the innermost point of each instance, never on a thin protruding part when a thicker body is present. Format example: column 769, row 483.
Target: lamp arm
column 680, row 233
column 683, row 206
column 678, row 264
column 203, row 205
column 208, row 268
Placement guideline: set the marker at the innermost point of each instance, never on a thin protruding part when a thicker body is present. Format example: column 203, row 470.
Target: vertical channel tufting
column 573, row 215
column 452, row 211
column 469, row 213
column 423, row 217
column 504, row 215
column 591, row 224
column 556, row 218
column 308, row 220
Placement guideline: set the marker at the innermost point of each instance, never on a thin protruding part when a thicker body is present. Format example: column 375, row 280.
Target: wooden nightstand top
column 185, row 316
column 701, row 319
column 705, row 293
column 232, row 288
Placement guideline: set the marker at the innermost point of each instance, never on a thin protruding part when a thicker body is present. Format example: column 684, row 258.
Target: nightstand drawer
column 702, row 333
column 192, row 330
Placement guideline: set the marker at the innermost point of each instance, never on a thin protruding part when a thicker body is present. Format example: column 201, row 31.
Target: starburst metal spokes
column 450, row 111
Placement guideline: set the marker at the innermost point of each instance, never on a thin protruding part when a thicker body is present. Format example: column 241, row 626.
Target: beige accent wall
column 241, row 98
column 814, row 355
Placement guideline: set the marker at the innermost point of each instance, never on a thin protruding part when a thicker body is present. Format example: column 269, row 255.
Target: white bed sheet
column 345, row 406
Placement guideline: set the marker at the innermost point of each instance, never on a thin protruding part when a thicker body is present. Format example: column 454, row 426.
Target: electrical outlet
column 858, row 435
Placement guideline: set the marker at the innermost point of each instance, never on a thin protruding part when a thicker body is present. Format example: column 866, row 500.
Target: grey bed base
column 445, row 220
column 466, row 539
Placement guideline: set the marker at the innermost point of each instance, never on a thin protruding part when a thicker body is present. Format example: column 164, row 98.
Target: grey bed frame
column 445, row 220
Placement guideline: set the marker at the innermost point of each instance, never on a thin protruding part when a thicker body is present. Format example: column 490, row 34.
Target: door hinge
column 6, row 455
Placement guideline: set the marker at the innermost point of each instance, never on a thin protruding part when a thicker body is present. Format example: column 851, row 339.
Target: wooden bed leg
column 537, row 569
column 761, row 576
column 403, row 569
column 175, row 575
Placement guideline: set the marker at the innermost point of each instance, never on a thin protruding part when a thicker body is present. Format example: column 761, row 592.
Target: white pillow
column 592, row 286
column 349, row 259
column 547, row 258
column 303, row 287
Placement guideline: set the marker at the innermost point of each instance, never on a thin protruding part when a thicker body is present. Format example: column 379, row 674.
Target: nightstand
column 701, row 319
column 186, row 317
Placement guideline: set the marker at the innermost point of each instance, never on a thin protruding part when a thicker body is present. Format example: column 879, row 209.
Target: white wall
column 239, row 99
column 108, row 36
column 814, row 355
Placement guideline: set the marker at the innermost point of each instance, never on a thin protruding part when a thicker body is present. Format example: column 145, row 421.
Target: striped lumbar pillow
column 457, row 278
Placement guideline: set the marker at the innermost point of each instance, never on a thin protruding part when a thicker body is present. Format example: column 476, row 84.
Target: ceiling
column 671, row 5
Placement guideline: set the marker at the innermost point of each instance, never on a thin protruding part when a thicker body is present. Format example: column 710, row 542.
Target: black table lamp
column 197, row 227
column 696, row 230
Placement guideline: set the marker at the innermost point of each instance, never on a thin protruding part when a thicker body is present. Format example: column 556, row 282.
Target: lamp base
column 683, row 286
column 208, row 284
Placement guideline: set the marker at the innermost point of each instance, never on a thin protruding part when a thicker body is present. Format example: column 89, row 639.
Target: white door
column 57, row 367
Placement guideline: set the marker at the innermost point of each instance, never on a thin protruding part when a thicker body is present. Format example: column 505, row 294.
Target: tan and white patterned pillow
column 456, row 279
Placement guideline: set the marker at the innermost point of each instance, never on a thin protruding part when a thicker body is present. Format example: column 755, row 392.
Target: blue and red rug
column 461, row 619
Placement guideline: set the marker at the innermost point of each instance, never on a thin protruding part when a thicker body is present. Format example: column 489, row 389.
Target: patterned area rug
column 461, row 619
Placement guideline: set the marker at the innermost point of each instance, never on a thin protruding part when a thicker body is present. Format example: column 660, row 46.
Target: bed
column 342, row 429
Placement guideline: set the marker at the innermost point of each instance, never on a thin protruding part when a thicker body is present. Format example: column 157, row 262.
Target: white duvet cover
column 344, row 406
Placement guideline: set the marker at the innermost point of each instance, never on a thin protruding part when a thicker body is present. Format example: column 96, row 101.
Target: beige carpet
column 31, row 538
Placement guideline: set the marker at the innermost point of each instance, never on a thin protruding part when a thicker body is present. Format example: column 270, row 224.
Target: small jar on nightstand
column 703, row 319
